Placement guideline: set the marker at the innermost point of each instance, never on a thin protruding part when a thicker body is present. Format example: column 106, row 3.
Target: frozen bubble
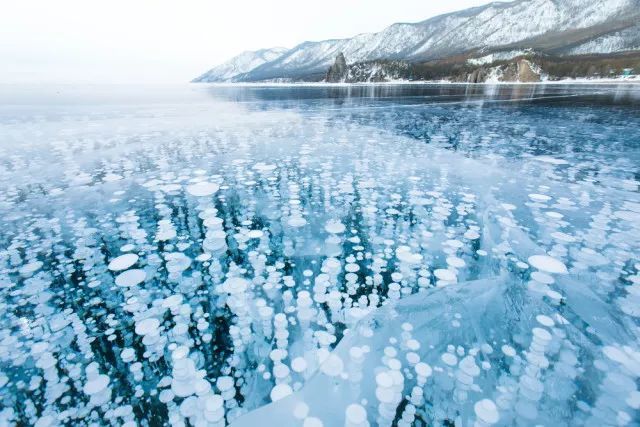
column 394, row 364
column 147, row 326
column 542, row 334
column 312, row 422
column 224, row 383
column 122, row 262
column 30, row 268
column 128, row 354
column 469, row 367
column 539, row 197
column 46, row 421
column 280, row 391
column 471, row 235
column 203, row 257
column 351, row 267
column 255, row 234
column 547, row 264
column 179, row 353
column 487, row 411
column 423, row 369
column 628, row 216
column 213, row 403
column 541, row 277
column 299, row 364
column 384, row 380
column 131, row 278
column 332, row 366
column 457, row 244
column 545, row 320
column 413, row 358
column 172, row 301
column 297, row 221
column 202, row 387
column 202, row 189
column 445, row 275
column 554, row 295
column 334, row 227
column 615, row 354
column 166, row 396
column 449, row 359
column 281, row 371
column 554, row 215
column 236, row 285
column 182, row 388
column 385, row 395
column 301, row 411
column 455, row 262
column 96, row 385
column 563, row 237
column 508, row 350
column 356, row 414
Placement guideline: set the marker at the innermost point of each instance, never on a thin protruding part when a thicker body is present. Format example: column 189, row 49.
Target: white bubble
column 131, row 278
column 445, row 275
column 334, row 227
column 202, row 189
column 299, row 364
column 280, row 391
column 487, row 411
column 122, row 262
column 356, row 414
column 332, row 365
column 96, row 385
column 547, row 264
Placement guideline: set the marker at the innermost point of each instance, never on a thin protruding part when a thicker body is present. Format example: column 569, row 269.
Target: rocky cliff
column 338, row 72
column 521, row 70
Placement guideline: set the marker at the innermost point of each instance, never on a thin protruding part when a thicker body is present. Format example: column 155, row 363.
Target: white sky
column 153, row 41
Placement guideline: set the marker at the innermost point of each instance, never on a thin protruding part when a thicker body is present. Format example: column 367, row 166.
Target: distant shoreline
column 627, row 81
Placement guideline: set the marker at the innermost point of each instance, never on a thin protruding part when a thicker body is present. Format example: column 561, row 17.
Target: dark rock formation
column 338, row 71
column 377, row 71
column 477, row 76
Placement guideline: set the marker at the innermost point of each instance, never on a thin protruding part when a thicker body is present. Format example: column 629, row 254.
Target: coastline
column 635, row 80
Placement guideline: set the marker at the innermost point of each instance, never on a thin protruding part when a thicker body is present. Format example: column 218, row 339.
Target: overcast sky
column 134, row 41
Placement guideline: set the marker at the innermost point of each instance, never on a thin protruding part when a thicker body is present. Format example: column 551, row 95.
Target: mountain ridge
column 547, row 26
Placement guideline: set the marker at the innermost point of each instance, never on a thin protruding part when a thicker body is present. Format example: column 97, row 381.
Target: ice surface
column 258, row 257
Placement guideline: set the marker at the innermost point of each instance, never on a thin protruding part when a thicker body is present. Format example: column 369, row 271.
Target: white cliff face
column 241, row 64
column 523, row 23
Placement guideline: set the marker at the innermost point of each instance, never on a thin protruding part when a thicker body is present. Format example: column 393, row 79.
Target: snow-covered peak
column 241, row 64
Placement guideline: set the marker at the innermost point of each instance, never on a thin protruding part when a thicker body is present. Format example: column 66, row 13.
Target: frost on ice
column 281, row 268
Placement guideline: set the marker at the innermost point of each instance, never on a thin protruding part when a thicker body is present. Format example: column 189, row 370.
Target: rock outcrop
column 338, row 71
column 521, row 70
column 527, row 72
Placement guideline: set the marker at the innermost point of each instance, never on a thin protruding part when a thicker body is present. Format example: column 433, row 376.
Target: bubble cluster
column 215, row 265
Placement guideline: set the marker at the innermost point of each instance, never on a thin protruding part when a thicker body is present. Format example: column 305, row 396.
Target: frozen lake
column 341, row 255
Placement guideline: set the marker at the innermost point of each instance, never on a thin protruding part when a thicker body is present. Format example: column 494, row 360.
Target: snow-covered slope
column 581, row 24
column 618, row 41
column 241, row 64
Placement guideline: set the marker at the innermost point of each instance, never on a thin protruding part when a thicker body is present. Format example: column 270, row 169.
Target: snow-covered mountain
column 555, row 26
column 243, row 63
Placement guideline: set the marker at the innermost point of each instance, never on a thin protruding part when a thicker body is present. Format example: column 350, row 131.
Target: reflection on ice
column 425, row 263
